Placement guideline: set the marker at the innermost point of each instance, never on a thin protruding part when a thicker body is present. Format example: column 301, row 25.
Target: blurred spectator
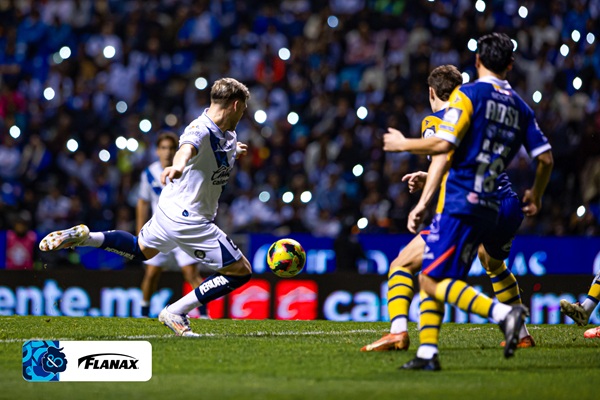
column 10, row 158
column 21, row 243
column 53, row 210
column 77, row 78
column 348, row 250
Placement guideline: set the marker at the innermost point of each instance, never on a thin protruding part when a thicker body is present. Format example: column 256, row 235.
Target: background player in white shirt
column 187, row 207
column 149, row 191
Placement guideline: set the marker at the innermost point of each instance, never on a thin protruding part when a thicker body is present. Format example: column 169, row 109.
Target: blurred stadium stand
column 86, row 85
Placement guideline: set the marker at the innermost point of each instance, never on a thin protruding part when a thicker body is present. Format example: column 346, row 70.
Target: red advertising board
column 296, row 299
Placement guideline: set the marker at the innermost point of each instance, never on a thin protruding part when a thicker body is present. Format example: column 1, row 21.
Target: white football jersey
column 150, row 186
column 195, row 196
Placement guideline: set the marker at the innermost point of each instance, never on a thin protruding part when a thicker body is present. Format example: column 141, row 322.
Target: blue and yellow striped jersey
column 488, row 122
column 430, row 123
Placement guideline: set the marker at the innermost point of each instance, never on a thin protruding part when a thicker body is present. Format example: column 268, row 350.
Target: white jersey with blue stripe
column 150, row 186
column 194, row 198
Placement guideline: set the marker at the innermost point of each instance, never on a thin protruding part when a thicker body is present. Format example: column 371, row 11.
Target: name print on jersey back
column 493, row 122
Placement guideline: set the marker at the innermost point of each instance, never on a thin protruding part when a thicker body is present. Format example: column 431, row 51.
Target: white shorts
column 176, row 258
column 205, row 242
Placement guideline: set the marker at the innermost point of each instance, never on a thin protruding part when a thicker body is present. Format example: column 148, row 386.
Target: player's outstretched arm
column 438, row 167
column 394, row 140
column 533, row 197
column 183, row 155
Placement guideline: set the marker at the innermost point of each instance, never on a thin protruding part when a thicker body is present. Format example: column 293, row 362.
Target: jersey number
column 488, row 184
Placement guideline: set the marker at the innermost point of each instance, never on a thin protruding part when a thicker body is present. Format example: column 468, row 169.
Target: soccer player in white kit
column 149, row 191
column 187, row 207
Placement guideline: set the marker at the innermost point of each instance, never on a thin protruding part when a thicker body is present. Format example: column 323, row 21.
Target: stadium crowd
column 87, row 85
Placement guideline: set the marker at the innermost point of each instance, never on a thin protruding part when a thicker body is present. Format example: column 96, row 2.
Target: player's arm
column 183, row 155
column 533, row 197
column 142, row 210
column 394, row 140
column 438, row 167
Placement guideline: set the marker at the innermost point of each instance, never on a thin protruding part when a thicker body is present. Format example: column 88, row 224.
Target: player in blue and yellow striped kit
column 483, row 128
column 442, row 81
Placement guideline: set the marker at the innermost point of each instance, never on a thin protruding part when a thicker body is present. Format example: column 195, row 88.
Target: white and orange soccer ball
column 286, row 258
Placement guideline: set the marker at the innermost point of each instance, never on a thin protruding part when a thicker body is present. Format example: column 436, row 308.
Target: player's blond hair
column 226, row 90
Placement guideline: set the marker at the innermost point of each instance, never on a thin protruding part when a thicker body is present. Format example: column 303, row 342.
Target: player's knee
column 153, row 272
column 241, row 267
column 245, row 266
column 427, row 284
column 484, row 257
column 413, row 268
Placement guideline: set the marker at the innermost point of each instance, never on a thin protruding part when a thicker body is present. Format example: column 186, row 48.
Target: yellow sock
column 463, row 296
column 400, row 293
column 431, row 313
column 506, row 288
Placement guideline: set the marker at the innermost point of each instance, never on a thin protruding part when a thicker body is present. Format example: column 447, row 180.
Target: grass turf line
column 310, row 360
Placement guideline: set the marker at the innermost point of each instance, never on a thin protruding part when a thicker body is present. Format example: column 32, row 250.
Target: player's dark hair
column 495, row 52
column 443, row 80
column 167, row 135
column 226, row 90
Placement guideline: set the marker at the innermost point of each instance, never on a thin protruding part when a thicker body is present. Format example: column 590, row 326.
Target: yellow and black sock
column 400, row 293
column 506, row 288
column 431, row 314
column 465, row 297
column 593, row 296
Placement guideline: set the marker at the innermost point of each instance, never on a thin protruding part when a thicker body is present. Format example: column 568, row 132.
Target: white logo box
column 95, row 361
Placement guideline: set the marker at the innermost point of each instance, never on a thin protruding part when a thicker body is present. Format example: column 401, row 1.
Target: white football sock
column 500, row 311
column 523, row 332
column 399, row 325
column 426, row 352
column 588, row 306
column 94, row 240
column 185, row 304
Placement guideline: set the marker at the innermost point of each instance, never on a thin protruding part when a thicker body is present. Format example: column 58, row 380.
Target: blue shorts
column 498, row 242
column 451, row 245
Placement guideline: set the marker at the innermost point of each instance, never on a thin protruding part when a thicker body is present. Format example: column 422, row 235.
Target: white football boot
column 575, row 311
column 66, row 238
column 178, row 323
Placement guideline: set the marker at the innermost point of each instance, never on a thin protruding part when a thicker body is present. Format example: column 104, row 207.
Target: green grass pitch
column 310, row 360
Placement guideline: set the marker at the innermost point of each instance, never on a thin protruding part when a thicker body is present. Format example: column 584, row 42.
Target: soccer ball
column 286, row 258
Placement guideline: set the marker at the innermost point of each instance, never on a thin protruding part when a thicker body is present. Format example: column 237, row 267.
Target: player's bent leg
column 66, row 238
column 400, row 294
column 118, row 242
column 431, row 313
column 217, row 285
column 580, row 313
column 458, row 293
column 149, row 286
column 506, row 290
